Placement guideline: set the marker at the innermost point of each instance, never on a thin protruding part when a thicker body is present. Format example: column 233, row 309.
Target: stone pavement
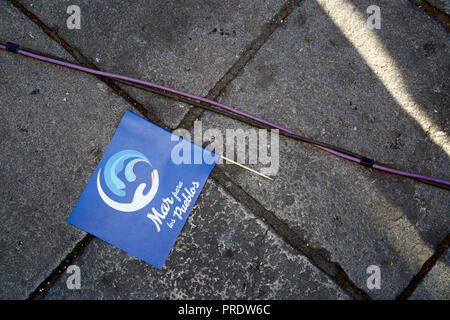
column 312, row 66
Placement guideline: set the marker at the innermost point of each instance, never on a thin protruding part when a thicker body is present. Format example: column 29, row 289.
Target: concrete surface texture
column 317, row 69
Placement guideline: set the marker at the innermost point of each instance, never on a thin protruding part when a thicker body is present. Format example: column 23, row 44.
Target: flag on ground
column 139, row 196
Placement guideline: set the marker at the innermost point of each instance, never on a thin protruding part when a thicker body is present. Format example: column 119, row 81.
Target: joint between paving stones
column 219, row 88
column 434, row 12
column 295, row 240
column 82, row 60
column 61, row 268
column 426, row 267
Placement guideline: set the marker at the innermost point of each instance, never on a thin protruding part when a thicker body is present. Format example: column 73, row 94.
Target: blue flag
column 142, row 191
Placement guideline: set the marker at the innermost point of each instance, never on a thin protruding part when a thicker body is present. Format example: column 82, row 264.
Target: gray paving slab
column 188, row 45
column 54, row 126
column 436, row 284
column 223, row 252
column 311, row 78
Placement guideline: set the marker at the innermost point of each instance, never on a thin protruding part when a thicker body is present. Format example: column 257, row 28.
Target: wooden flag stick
column 246, row 168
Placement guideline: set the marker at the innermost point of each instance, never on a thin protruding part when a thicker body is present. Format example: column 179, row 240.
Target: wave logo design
column 113, row 167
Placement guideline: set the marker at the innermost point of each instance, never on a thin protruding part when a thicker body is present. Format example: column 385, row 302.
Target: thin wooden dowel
column 246, row 168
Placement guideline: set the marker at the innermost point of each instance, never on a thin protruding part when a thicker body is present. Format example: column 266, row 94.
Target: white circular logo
column 125, row 161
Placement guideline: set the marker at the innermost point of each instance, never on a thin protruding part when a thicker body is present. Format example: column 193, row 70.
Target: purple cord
column 223, row 106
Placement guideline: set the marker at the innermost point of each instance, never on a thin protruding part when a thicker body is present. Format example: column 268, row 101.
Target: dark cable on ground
column 228, row 111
